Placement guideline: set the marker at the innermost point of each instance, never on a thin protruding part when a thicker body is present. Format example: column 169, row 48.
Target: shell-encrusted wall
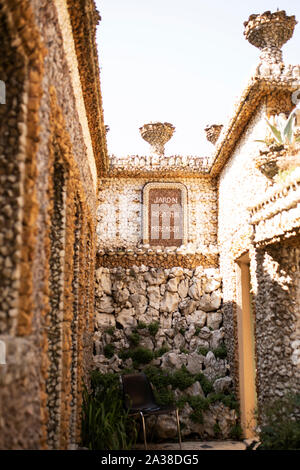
column 120, row 214
column 48, row 346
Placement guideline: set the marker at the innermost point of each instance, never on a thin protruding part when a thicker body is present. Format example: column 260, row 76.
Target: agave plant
column 283, row 131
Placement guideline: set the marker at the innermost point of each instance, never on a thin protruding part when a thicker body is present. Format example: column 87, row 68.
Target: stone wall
column 48, row 206
column 263, row 233
column 166, row 318
column 239, row 184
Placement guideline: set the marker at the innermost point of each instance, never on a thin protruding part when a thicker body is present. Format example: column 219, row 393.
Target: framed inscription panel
column 165, row 214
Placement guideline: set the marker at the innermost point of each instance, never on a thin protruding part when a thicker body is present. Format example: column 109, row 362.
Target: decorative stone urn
column 157, row 134
column 269, row 31
column 213, row 132
column 277, row 158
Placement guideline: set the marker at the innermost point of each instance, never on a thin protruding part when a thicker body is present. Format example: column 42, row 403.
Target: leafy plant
column 153, row 328
column 124, row 354
column 217, row 429
column 141, row 325
column 105, row 423
column 182, row 379
column 203, row 351
column 109, row 350
column 206, row 385
column 161, row 351
column 134, row 338
column 283, row 131
column 280, row 429
column 236, row 432
column 198, row 404
column 110, row 330
column 141, row 355
column 220, row 352
column 228, row 400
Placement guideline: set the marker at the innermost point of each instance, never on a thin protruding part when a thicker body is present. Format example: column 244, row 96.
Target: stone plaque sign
column 164, row 214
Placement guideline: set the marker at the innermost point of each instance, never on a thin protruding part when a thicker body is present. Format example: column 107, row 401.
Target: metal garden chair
column 139, row 401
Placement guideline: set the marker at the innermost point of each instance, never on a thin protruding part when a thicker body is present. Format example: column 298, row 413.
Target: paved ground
column 197, row 445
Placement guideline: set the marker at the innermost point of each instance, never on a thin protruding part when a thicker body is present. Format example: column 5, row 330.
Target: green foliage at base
column 203, row 351
column 198, row 404
column 110, row 330
column 105, row 424
column 206, row 385
column 109, row 350
column 153, row 328
column 236, row 432
column 138, row 355
column 281, row 424
column 161, row 351
column 228, row 400
column 220, row 352
column 182, row 379
column 217, row 430
column 141, row 355
column 134, row 338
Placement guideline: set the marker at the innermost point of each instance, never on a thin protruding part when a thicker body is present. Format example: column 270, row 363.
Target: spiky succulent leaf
column 276, row 132
column 289, row 128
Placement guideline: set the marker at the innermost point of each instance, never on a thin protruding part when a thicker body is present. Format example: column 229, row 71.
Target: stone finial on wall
column 157, row 134
column 269, row 31
column 213, row 132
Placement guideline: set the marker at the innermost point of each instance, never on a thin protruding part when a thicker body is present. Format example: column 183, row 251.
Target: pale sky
column 184, row 62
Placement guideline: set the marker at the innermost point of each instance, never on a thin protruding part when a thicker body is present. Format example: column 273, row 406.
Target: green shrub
column 105, row 424
column 206, row 385
column 182, row 331
column 161, row 351
column 197, row 330
column 280, row 429
column 109, row 350
column 220, row 352
column 183, row 350
column 134, row 338
column 236, row 432
column 182, row 401
column 124, row 354
column 228, row 400
column 217, row 429
column 110, row 330
column 153, row 328
column 141, row 325
column 164, row 397
column 158, row 377
column 141, row 355
column 182, row 379
column 198, row 404
column 202, row 351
